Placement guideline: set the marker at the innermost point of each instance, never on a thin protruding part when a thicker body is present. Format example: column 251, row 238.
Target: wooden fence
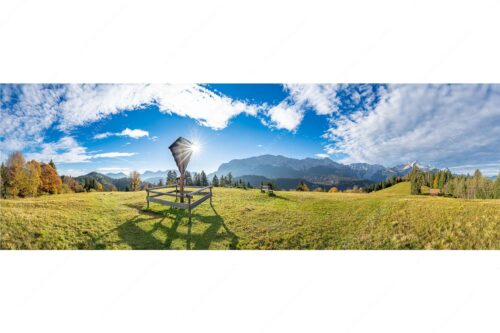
column 205, row 192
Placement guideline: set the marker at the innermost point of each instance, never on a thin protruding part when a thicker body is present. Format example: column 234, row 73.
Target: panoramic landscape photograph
column 250, row 166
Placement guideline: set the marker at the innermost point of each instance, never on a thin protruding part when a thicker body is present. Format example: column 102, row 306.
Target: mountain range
column 285, row 172
column 322, row 172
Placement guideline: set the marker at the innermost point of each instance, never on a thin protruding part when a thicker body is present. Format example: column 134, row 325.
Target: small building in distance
column 434, row 191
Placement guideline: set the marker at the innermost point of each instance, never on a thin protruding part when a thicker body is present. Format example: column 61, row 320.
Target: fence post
column 189, row 208
column 147, row 197
column 210, row 195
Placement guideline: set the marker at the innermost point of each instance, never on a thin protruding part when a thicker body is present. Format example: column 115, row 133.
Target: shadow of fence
column 170, row 222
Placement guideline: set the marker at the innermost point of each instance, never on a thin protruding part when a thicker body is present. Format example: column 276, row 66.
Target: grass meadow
column 249, row 219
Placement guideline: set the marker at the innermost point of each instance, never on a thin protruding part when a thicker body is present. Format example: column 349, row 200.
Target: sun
column 195, row 147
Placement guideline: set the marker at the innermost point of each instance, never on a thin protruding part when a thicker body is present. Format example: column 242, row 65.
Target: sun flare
column 195, row 147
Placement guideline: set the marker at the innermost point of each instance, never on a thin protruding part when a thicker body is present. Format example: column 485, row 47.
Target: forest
column 457, row 186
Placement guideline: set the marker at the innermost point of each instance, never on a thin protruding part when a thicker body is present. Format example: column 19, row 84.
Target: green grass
column 248, row 219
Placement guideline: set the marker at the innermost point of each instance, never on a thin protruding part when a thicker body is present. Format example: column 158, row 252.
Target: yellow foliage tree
column 435, row 183
column 135, row 181
column 333, row 190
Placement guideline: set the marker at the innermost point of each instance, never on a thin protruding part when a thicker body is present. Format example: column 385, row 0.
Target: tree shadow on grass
column 277, row 196
column 212, row 233
column 137, row 238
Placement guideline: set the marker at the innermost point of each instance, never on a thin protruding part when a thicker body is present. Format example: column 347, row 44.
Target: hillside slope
column 248, row 219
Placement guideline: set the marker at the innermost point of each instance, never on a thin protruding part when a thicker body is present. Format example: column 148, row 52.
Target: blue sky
column 112, row 128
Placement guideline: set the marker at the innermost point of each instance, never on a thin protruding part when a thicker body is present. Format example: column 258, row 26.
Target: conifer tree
column 497, row 187
column 203, row 178
column 53, row 165
column 215, row 181
column 416, row 179
column 3, row 179
column 188, row 179
column 302, row 187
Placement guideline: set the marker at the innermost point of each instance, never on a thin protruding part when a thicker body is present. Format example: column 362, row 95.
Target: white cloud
column 88, row 103
column 27, row 111
column 67, row 150
column 286, row 116
column 444, row 125
column 321, row 98
column 134, row 134
column 113, row 154
column 260, row 146
column 103, row 135
column 322, row 155
column 114, row 170
column 131, row 133
column 72, row 172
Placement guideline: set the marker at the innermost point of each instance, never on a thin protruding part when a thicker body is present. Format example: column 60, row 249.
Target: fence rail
column 153, row 194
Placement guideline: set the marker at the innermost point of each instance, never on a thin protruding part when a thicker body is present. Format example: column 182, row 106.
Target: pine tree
column 203, row 179
column 497, row 187
column 416, row 179
column 53, row 165
column 188, row 179
column 160, row 183
column 171, row 177
column 302, row 187
column 215, row 181
column 3, row 180
column 229, row 179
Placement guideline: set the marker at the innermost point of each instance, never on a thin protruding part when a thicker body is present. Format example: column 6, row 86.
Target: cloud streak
column 131, row 133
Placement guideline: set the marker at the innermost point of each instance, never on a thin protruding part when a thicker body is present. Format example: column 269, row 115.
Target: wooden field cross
column 181, row 149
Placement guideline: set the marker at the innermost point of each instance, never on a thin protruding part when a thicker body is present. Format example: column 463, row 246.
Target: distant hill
column 121, row 184
column 154, row 174
column 107, row 182
column 116, row 175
